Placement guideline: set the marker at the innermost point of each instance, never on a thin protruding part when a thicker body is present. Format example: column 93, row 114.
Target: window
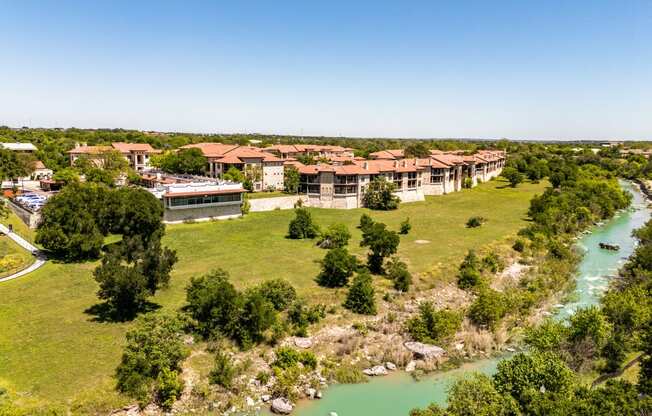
column 398, row 180
column 204, row 200
column 412, row 180
column 436, row 175
column 345, row 189
column 309, row 184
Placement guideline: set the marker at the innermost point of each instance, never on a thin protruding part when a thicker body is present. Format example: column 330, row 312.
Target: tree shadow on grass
column 104, row 313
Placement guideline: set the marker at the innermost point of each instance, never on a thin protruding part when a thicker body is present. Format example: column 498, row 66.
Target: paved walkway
column 40, row 257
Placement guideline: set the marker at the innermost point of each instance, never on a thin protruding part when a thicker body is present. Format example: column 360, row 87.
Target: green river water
column 396, row 394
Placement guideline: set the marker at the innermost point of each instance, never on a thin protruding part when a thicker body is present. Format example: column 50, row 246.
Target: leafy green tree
column 488, row 308
column 513, row 176
column 381, row 242
column 379, row 195
column 645, row 373
column 15, row 165
column 431, row 326
column 213, row 302
column 154, row 346
column 398, row 273
column 336, row 236
column 302, row 226
column 530, row 374
column 99, row 175
column 280, row 293
column 291, row 179
column 301, row 316
column 416, row 150
column 365, row 222
column 547, row 337
column 361, row 296
column 66, row 176
column 477, row 396
column 469, row 275
column 255, row 316
column 336, row 268
column 4, row 211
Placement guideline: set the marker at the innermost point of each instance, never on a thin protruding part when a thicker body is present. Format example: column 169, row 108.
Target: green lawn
column 13, row 258
column 50, row 350
column 261, row 195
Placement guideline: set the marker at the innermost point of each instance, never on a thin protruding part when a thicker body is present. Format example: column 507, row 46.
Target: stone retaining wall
column 28, row 217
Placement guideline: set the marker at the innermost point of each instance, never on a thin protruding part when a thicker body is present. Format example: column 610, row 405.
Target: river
column 395, row 395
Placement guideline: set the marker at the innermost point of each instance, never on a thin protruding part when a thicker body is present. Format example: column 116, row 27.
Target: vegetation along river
column 395, row 395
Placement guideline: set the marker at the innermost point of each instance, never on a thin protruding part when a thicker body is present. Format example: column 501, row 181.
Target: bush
column 513, row 176
column 397, row 271
column 302, row 225
column 336, row 236
column 475, row 221
column 519, row 245
column 287, row 358
column 169, row 387
column 493, row 263
column 278, row 292
column 488, row 308
column 380, row 195
column 405, row 226
column 468, row 183
column 432, row 326
column 365, row 222
column 469, row 275
column 360, row 298
column 337, row 267
column 301, row 315
column 223, row 371
column 154, row 345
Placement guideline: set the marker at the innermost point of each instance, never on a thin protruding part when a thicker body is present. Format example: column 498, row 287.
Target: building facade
column 264, row 169
column 318, row 151
column 137, row 154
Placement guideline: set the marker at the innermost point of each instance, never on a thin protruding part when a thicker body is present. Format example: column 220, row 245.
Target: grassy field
column 13, row 258
column 52, row 351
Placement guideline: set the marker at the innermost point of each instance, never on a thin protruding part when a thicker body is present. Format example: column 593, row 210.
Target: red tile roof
column 134, row 147
column 90, row 150
column 230, row 153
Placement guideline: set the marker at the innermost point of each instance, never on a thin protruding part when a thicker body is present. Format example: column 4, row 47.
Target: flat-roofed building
column 200, row 201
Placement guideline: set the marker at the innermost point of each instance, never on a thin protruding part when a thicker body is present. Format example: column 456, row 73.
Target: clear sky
column 518, row 69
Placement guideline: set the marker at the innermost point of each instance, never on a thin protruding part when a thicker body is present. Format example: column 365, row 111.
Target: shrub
column 365, row 222
column 301, row 315
column 493, row 263
column 475, row 221
column 169, row 387
column 360, row 298
column 513, row 176
column 302, row 226
column 380, row 195
column 468, row 183
column 278, row 292
column 488, row 308
column 337, row 267
column 287, row 358
column 397, row 271
column 336, row 236
column 405, row 226
column 469, row 275
column 223, row 371
column 432, row 326
column 154, row 345
column 519, row 245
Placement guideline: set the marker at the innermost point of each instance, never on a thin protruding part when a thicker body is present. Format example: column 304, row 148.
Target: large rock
column 303, row 342
column 411, row 366
column 282, row 406
column 425, row 351
column 378, row 370
column 390, row 366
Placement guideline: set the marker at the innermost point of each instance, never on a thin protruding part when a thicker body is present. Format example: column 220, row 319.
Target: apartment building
column 343, row 185
column 265, row 169
column 292, row 151
column 137, row 154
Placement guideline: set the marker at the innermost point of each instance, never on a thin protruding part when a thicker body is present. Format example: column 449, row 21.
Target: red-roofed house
column 288, row 151
column 264, row 168
column 137, row 154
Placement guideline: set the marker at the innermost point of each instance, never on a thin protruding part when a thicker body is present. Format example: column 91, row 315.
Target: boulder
column 265, row 398
column 249, row 401
column 421, row 350
column 378, row 370
column 310, row 392
column 303, row 342
column 318, row 395
column 282, row 406
column 411, row 366
column 390, row 366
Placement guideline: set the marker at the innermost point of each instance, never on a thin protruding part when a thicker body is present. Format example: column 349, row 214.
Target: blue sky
column 517, row 69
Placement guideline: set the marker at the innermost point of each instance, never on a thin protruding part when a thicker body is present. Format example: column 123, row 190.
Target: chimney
column 396, row 163
column 365, row 165
column 404, row 163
